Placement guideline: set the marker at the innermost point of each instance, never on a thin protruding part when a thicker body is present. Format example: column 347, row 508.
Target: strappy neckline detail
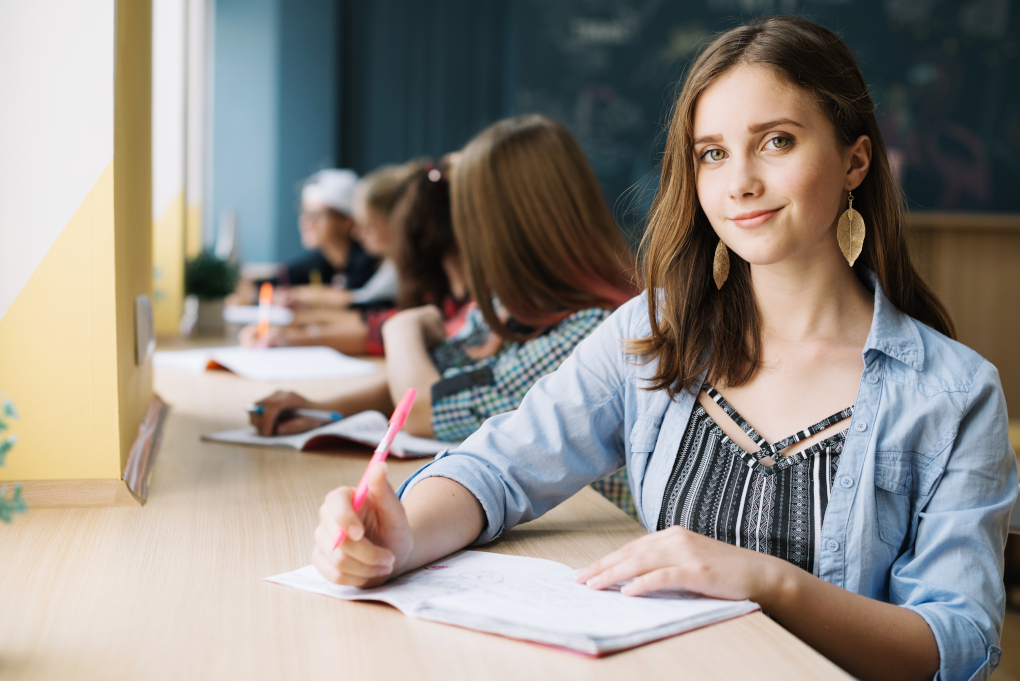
column 767, row 449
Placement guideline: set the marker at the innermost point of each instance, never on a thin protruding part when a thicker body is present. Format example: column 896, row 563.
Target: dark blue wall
column 308, row 107
column 419, row 78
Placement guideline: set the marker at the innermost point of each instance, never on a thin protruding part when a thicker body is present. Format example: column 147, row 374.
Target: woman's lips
column 754, row 218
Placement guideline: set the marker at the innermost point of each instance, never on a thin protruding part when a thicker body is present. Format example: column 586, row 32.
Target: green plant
column 14, row 504
column 207, row 277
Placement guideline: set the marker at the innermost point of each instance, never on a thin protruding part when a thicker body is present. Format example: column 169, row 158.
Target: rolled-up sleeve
column 567, row 432
column 952, row 577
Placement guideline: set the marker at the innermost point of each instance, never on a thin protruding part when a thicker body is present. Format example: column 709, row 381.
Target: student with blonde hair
column 538, row 250
column 799, row 426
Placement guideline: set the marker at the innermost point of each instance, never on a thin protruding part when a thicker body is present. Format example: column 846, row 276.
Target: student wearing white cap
column 327, row 203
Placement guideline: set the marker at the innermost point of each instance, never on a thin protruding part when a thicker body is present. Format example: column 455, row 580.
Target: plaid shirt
column 509, row 374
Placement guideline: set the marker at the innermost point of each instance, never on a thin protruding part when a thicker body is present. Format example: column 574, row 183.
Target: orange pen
column 265, row 307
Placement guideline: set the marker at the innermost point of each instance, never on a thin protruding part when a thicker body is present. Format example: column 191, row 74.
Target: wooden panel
column 973, row 264
column 60, row 493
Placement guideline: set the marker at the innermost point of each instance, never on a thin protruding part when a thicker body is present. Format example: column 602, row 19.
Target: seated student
column 323, row 315
column 543, row 259
column 875, row 535
column 375, row 196
column 325, row 223
column 425, row 255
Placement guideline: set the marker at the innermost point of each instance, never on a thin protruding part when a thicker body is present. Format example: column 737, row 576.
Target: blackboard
column 943, row 73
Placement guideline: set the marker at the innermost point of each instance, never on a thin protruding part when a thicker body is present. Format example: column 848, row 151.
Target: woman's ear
column 859, row 161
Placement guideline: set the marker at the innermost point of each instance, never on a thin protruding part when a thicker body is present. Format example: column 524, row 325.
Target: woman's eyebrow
column 762, row 127
column 753, row 129
column 707, row 139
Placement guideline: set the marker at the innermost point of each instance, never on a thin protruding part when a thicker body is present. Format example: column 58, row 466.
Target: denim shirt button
column 846, row 481
column 872, row 378
column 833, row 545
column 860, row 426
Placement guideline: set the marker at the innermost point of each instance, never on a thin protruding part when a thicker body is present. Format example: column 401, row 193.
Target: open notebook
column 531, row 599
column 368, row 428
column 269, row 364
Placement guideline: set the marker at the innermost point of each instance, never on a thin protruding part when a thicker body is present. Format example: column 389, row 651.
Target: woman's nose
column 745, row 180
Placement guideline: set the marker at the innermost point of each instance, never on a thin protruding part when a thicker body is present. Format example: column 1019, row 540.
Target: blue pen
column 320, row 414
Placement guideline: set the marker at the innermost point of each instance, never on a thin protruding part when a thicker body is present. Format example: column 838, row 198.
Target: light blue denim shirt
column 919, row 508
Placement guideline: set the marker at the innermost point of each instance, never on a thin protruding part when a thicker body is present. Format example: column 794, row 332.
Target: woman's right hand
column 379, row 540
column 269, row 423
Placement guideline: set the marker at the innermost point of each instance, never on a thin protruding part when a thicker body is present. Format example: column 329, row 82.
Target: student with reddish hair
column 538, row 250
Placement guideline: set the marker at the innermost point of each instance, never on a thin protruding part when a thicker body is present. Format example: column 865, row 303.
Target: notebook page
column 291, row 364
column 532, row 599
column 367, row 427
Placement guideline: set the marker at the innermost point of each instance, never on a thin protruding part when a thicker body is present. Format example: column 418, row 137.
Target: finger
column 270, row 414
column 673, row 577
column 297, row 425
column 350, row 566
column 628, row 569
column 336, row 575
column 363, row 552
column 325, row 566
column 339, row 506
column 613, row 559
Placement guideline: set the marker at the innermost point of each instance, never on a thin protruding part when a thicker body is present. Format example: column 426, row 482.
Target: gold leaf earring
column 850, row 233
column 721, row 264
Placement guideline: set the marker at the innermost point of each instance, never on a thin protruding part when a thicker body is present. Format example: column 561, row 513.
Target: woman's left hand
column 677, row 558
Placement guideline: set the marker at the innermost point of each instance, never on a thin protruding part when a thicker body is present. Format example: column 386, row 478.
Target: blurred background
column 277, row 89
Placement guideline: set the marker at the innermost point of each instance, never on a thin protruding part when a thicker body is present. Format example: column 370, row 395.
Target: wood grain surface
column 174, row 590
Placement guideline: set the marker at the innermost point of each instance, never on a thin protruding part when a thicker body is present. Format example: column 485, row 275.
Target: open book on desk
column 531, row 599
column 268, row 364
column 368, row 428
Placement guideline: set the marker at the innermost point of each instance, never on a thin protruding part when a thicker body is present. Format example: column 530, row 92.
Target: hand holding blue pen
column 321, row 414
column 285, row 413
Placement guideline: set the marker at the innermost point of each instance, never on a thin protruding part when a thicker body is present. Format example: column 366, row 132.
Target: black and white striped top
column 719, row 490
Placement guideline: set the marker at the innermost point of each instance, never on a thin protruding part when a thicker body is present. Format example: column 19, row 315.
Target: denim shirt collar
column 892, row 332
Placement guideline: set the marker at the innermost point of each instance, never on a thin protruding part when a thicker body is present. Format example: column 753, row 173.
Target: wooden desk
column 173, row 590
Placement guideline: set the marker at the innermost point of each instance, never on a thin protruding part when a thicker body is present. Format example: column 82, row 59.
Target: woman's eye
column 714, row 155
column 779, row 142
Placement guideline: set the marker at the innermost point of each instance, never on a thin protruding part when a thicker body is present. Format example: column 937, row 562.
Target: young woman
column 539, row 251
column 875, row 534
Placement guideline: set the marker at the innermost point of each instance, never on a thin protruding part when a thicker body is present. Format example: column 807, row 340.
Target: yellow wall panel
column 58, row 353
column 168, row 241
column 132, row 153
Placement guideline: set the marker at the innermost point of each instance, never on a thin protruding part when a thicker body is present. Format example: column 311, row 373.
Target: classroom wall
column 169, row 108
column 308, row 109
column 244, row 121
column 421, row 78
column 274, row 115
column 75, row 229
column 197, row 123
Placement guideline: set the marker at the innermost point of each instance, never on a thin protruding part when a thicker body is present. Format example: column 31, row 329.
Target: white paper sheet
column 532, row 599
column 367, row 427
column 249, row 314
column 269, row 364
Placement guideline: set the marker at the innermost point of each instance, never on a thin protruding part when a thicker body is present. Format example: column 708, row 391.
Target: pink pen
column 381, row 452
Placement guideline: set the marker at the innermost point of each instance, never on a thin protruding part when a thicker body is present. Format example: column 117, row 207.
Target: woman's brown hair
column 383, row 187
column 425, row 238
column 533, row 227
column 694, row 325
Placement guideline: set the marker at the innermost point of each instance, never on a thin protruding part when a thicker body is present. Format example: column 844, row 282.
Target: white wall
column 169, row 44
column 56, row 124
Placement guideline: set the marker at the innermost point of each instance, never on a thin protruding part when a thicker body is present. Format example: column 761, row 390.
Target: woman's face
column 371, row 229
column 319, row 224
column 771, row 176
